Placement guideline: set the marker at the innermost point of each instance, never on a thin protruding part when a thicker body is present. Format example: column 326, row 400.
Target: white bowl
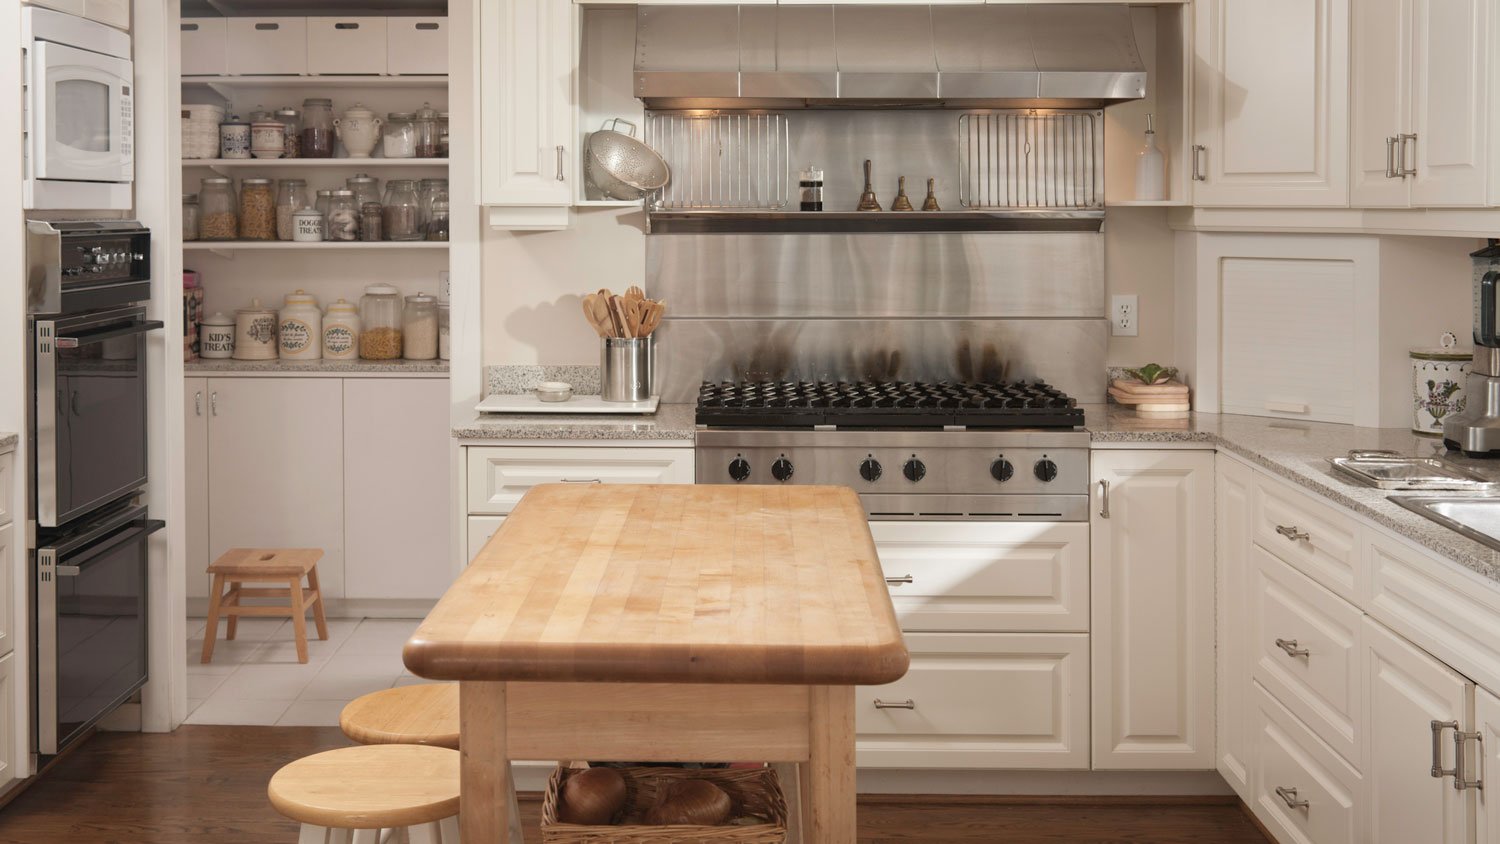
column 553, row 391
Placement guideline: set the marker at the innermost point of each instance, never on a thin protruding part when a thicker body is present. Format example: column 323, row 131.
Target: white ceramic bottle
column 1150, row 168
column 341, row 331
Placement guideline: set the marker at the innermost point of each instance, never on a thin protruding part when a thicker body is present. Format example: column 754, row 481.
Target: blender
column 1476, row 429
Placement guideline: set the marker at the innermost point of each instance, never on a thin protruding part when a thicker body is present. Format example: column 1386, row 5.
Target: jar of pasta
column 257, row 210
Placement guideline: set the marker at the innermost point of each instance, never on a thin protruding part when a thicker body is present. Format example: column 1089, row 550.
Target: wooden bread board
column 1136, row 388
column 1153, row 404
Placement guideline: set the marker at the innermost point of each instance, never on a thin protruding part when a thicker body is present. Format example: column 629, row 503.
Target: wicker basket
column 755, row 791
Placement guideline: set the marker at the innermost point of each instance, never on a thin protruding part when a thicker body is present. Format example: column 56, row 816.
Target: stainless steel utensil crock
column 625, row 368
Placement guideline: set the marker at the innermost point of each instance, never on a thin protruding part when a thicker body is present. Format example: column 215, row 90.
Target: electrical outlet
column 1124, row 316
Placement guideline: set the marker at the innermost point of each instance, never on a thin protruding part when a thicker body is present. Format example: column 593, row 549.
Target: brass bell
column 867, row 200
column 902, row 202
column 931, row 203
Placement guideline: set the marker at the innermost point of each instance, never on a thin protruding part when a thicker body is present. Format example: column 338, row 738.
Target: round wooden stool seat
column 426, row 713
column 369, row 787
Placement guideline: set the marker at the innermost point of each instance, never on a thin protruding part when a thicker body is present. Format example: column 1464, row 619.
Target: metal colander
column 620, row 166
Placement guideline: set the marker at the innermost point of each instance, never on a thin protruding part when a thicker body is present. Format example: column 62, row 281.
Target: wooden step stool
column 239, row 566
column 349, row 795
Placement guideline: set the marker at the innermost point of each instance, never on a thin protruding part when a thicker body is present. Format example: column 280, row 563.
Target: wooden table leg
column 827, row 780
column 485, row 792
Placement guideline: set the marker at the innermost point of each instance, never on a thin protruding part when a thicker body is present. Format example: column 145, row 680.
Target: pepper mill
column 931, row 203
column 901, row 202
column 867, row 200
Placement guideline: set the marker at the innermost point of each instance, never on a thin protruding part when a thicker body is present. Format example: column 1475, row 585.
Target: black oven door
column 91, row 645
column 90, row 411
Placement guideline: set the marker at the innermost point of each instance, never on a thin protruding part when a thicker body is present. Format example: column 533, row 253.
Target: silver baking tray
column 1388, row 470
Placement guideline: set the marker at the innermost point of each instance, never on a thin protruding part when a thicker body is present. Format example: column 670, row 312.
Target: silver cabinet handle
column 213, row 403
column 1293, row 533
column 1290, row 646
column 582, row 481
column 1390, row 158
column 1198, row 174
column 1289, row 797
column 897, row 581
column 1460, row 766
column 559, row 162
column 895, row 704
column 1104, row 499
column 1408, row 169
column 1438, row 771
column 198, row 403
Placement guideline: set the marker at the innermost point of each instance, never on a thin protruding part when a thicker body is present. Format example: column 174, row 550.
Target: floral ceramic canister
column 1437, row 382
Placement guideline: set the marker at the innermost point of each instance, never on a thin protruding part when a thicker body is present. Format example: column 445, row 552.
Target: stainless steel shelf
column 870, row 222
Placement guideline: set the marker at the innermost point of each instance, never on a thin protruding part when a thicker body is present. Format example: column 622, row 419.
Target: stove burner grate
column 886, row 404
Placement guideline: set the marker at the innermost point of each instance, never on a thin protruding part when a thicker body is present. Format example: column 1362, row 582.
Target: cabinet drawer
column 499, row 476
column 481, row 528
column 267, row 46
column 990, row 576
column 1291, row 614
column 203, row 47
column 996, row 700
column 7, row 483
column 416, row 46
column 1313, row 538
column 348, row 45
column 1291, row 758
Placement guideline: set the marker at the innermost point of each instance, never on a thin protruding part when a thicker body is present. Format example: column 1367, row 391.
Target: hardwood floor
column 204, row 784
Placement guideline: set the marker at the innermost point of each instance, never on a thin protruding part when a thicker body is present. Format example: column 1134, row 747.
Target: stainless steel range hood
column 1002, row 56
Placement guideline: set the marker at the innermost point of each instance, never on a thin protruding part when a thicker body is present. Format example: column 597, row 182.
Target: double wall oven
column 89, row 331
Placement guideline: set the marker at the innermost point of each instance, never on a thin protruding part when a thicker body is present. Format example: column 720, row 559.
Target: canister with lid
column 234, row 138
column 307, row 225
column 267, row 139
column 380, row 323
column 291, row 126
column 444, row 321
column 398, row 136
column 292, row 196
column 341, row 331
column 427, row 131
column 190, row 216
column 1438, row 380
column 419, row 327
column 342, row 223
column 359, row 129
column 401, row 210
column 317, row 128
column 323, row 203
column 366, row 188
column 217, row 340
column 257, row 210
column 218, row 209
column 255, row 333
column 300, row 327
column 442, row 130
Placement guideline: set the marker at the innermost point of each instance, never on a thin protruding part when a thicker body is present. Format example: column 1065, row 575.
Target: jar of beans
column 218, row 209
column 257, row 210
column 380, row 323
column 317, row 128
column 401, row 210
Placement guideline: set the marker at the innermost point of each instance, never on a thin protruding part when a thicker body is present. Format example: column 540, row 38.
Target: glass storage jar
column 324, row 199
column 437, row 223
column 398, row 136
column 380, row 323
column 366, row 188
column 342, row 223
column 444, row 320
column 299, row 328
column 419, row 327
column 218, row 209
column 291, row 122
column 292, row 196
column 257, row 210
column 371, row 224
column 442, row 130
column 341, row 331
column 427, row 131
column 190, row 216
column 317, row 128
column 401, row 210
column 428, row 190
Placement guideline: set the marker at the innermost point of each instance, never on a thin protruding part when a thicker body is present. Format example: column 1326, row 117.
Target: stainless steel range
column 913, row 450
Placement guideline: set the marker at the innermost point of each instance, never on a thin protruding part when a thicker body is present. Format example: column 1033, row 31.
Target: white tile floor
column 256, row 679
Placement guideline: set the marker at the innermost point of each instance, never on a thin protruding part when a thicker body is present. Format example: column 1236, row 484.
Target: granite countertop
column 8, row 441
column 669, row 422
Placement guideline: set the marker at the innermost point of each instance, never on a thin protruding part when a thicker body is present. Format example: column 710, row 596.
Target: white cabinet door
column 1450, row 101
column 276, row 450
column 500, row 475
column 12, row 735
column 1301, row 790
column 1379, row 108
column 1152, row 608
column 1407, row 691
column 1272, row 102
column 396, row 488
column 195, row 485
column 980, row 700
column 526, row 118
column 1487, row 725
column 1232, row 725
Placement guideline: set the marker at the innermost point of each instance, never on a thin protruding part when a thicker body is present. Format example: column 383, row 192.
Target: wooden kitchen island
column 667, row 623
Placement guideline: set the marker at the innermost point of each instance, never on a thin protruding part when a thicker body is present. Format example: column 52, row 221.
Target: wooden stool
column 265, row 565
column 422, row 714
column 347, row 796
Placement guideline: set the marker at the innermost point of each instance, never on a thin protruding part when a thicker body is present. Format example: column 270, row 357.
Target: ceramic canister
column 1437, row 382
column 255, row 333
column 359, row 129
column 218, row 336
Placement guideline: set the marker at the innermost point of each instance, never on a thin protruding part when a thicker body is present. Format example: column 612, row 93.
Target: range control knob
column 1046, row 470
column 870, row 469
column 1002, row 470
column 739, row 469
column 781, row 470
column 914, row 470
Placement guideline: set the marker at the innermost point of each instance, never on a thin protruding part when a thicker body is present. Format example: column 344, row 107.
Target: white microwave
column 80, row 148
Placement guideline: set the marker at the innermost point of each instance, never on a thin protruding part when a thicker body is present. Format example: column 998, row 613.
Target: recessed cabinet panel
column 1232, row 707
column 1304, row 793
column 1450, row 102
column 1380, row 104
column 195, row 485
column 1311, row 537
column 499, row 476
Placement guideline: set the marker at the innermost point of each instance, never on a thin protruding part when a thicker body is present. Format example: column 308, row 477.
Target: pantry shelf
column 317, row 81
column 312, row 163
column 229, row 247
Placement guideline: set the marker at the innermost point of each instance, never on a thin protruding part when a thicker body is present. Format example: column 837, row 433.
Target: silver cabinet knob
column 1293, row 533
column 1290, row 646
column 895, row 704
column 1289, row 797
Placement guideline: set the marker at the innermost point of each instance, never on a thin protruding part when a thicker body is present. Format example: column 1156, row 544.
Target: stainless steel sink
column 1477, row 517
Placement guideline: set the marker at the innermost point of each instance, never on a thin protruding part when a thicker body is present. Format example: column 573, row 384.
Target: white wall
column 1425, row 289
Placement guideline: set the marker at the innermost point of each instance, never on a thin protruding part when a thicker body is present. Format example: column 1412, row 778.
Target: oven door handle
column 79, row 562
column 86, row 337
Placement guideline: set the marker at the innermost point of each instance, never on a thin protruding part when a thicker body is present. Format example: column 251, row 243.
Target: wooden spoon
column 601, row 316
column 617, row 315
column 588, row 314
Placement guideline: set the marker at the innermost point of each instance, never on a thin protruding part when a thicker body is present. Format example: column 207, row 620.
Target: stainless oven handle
column 46, row 651
column 43, row 268
column 141, row 530
column 47, row 405
column 109, row 334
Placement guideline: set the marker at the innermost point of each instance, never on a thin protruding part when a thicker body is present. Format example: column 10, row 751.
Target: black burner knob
column 914, row 470
column 739, row 469
column 1046, row 470
column 1002, row 470
column 781, row 469
column 870, row 469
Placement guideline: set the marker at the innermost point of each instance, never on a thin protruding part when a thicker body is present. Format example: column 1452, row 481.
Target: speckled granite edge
column 332, row 366
column 669, row 422
column 510, row 380
column 8, row 441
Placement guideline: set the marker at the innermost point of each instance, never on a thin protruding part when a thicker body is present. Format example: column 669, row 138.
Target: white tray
column 529, row 403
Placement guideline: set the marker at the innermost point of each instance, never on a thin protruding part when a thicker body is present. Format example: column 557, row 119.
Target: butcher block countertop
column 670, row 584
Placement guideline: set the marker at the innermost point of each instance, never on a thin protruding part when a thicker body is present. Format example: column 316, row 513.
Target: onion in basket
column 592, row 797
column 690, row 802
